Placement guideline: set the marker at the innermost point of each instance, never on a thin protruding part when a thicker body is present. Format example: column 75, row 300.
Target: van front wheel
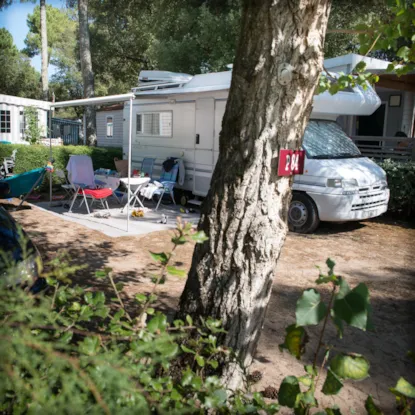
column 302, row 214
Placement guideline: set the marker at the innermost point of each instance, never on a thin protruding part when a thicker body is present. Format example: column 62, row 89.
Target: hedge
column 401, row 181
column 34, row 156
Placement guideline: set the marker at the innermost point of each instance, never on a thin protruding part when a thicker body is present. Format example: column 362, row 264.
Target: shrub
column 33, row 131
column 80, row 351
column 401, row 181
column 32, row 157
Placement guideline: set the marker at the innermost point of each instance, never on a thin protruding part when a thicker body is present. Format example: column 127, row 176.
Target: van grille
column 370, row 198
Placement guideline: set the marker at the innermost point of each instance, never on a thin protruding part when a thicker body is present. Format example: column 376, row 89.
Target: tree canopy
column 17, row 75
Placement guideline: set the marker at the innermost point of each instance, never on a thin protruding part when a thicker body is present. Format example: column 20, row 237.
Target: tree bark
column 86, row 68
column 245, row 212
column 44, row 45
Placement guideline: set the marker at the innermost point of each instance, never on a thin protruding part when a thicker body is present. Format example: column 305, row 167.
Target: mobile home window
column 110, row 127
column 22, row 123
column 155, row 123
column 4, row 121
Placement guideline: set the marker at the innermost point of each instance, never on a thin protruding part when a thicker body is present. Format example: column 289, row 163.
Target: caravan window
column 110, row 127
column 22, row 124
column 4, row 121
column 157, row 124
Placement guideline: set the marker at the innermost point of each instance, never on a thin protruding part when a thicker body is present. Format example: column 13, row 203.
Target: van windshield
column 326, row 140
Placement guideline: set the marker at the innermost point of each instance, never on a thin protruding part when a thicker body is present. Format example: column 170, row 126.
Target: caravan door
column 204, row 134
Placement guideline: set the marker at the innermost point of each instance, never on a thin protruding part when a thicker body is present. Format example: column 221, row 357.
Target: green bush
column 78, row 351
column 32, row 157
column 401, row 181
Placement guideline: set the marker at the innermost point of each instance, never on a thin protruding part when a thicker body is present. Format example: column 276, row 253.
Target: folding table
column 138, row 183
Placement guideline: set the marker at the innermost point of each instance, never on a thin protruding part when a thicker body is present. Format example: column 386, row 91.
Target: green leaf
column 150, row 311
column 160, row 257
column 295, row 340
column 141, row 298
column 75, row 306
column 310, row 309
column 179, row 240
column 199, row 237
column 404, row 388
column 66, row 337
column 100, row 274
column 120, row 313
column 332, row 384
column 404, row 53
column 305, row 380
column 176, row 272
column 213, row 363
column 371, row 407
column 187, row 350
column 88, row 297
column 157, row 323
column 167, row 349
column 354, row 367
column 90, row 346
column 119, row 286
column 200, row 360
column 310, row 370
column 360, row 67
column 338, row 323
column 289, row 389
column 353, row 306
column 197, row 382
column 189, row 320
column 175, row 395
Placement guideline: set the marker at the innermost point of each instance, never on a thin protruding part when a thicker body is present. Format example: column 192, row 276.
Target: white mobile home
column 110, row 126
column 12, row 119
column 181, row 116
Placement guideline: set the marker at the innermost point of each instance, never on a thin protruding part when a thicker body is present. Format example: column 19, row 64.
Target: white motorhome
column 179, row 115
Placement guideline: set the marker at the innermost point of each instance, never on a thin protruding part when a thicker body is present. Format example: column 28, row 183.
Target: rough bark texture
column 44, row 52
column 86, row 67
column 245, row 212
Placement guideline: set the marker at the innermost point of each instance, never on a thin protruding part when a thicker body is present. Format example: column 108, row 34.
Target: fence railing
column 381, row 148
column 68, row 130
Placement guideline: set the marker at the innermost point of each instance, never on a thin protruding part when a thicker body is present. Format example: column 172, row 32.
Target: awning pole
column 130, row 131
column 50, row 155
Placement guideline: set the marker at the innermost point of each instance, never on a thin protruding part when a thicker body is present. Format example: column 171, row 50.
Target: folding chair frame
column 103, row 201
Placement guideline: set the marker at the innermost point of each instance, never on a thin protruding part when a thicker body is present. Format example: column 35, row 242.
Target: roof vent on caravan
column 152, row 80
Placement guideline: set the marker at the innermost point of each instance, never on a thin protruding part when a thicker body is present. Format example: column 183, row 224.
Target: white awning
column 93, row 101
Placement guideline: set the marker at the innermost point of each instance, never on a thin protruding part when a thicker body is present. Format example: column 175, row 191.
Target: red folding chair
column 94, row 194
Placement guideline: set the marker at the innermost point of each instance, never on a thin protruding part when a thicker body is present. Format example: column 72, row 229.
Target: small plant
column 33, row 132
column 81, row 350
column 345, row 306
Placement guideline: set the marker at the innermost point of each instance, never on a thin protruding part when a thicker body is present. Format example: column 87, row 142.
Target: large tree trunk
column 44, row 44
column 86, row 67
column 245, row 212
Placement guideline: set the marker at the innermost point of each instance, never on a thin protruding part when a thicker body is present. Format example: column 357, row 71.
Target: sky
column 14, row 18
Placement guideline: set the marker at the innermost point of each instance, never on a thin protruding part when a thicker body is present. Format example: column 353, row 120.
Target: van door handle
column 197, row 138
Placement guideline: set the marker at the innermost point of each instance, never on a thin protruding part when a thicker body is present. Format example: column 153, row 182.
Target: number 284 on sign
column 291, row 162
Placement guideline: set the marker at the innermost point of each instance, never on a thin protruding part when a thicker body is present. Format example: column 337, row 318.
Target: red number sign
column 291, row 162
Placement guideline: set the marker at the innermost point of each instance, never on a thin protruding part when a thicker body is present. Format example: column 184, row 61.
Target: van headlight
column 349, row 186
column 383, row 184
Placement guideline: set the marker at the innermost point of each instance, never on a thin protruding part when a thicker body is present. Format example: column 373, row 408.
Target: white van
column 179, row 115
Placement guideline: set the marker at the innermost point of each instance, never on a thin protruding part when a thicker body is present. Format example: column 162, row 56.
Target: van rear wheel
column 302, row 214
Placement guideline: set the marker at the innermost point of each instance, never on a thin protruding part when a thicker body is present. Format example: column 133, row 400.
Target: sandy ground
column 379, row 253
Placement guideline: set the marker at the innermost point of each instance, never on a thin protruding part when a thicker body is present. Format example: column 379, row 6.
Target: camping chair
column 24, row 183
column 9, row 162
column 164, row 186
column 147, row 166
column 81, row 176
column 69, row 188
